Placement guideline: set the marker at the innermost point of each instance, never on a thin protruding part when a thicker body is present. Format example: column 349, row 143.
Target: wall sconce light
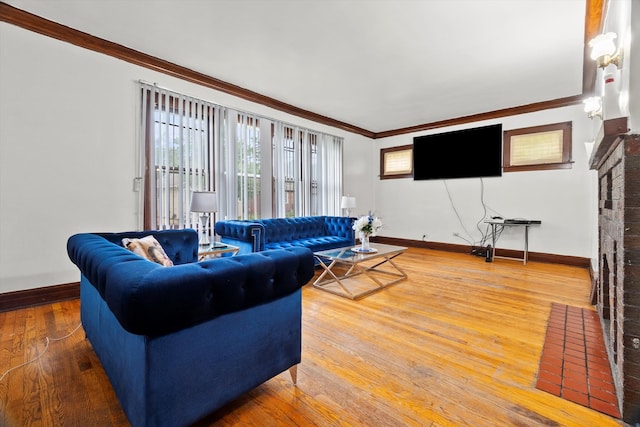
column 593, row 107
column 603, row 50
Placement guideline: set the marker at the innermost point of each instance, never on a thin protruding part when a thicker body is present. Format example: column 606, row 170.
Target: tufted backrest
column 181, row 246
column 339, row 226
column 305, row 227
column 290, row 229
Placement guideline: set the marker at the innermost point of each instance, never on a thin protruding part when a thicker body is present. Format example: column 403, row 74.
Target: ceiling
column 378, row 65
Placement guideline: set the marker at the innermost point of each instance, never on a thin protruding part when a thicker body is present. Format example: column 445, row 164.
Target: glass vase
column 364, row 242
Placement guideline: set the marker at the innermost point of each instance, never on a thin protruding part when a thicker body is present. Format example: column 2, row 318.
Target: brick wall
column 618, row 296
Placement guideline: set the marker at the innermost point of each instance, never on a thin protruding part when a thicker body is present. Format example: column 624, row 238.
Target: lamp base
column 204, row 237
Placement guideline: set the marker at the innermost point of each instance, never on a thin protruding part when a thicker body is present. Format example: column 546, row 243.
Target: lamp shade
column 602, row 45
column 204, row 201
column 348, row 202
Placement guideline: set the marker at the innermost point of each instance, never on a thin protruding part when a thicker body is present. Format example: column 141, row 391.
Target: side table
column 216, row 250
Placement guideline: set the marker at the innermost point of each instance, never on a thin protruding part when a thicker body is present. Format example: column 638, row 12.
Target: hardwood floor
column 458, row 344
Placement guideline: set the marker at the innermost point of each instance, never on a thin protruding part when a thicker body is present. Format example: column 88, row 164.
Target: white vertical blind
column 329, row 173
column 179, row 148
column 248, row 165
column 307, row 172
column 279, row 170
column 194, row 145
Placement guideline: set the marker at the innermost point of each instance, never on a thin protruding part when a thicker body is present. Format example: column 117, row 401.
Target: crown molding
column 37, row 24
column 18, row 17
column 512, row 111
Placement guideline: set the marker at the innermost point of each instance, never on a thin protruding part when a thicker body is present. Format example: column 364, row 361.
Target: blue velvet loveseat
column 316, row 233
column 179, row 342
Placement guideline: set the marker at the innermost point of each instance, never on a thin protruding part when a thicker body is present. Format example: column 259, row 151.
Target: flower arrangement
column 368, row 225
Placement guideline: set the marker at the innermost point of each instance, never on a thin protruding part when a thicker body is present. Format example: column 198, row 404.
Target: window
column 178, row 148
column 258, row 167
column 538, row 148
column 307, row 171
column 248, row 167
column 396, row 162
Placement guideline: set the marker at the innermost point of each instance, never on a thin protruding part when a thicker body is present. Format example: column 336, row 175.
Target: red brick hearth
column 574, row 363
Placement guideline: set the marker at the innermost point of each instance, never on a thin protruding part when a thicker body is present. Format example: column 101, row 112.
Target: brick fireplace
column 617, row 289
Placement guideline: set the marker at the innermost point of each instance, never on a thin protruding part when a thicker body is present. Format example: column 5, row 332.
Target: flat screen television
column 468, row 153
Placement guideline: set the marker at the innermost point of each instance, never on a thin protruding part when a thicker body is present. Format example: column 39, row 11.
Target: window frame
column 567, row 161
column 384, row 174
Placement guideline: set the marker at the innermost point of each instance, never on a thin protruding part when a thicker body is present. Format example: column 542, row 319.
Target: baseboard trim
column 49, row 294
column 450, row 247
column 38, row 296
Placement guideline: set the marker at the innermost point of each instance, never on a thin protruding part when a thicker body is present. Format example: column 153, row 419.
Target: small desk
column 526, row 223
column 216, row 250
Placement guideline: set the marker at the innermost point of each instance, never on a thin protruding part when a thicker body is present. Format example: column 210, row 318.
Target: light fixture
column 603, row 50
column 204, row 202
column 348, row 203
column 593, row 107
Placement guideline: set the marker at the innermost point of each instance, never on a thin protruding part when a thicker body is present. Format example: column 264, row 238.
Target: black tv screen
column 468, row 153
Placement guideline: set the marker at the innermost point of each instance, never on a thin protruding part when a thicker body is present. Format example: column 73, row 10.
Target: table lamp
column 204, row 202
column 348, row 203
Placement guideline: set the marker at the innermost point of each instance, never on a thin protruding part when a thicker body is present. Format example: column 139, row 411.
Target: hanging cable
column 46, row 347
column 456, row 212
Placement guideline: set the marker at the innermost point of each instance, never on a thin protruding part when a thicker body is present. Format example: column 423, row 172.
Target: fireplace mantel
column 610, row 131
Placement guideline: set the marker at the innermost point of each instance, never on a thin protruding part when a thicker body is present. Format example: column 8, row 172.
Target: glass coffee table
column 216, row 250
column 355, row 275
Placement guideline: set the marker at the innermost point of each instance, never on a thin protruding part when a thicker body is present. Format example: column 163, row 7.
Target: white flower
column 368, row 225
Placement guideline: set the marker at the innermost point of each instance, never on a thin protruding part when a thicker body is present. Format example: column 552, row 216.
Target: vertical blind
column 190, row 145
column 179, row 156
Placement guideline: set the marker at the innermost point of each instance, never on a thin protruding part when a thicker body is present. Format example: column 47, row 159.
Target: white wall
column 68, row 138
column 564, row 200
column 620, row 15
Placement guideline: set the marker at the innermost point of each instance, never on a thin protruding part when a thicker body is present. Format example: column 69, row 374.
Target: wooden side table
column 216, row 250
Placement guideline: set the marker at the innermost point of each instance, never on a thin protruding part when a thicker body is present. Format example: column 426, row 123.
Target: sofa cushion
column 148, row 248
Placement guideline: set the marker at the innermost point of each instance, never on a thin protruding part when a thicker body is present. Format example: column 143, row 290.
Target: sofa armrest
column 341, row 226
column 246, row 235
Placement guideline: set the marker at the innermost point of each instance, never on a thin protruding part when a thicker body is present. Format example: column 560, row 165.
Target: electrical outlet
column 424, row 236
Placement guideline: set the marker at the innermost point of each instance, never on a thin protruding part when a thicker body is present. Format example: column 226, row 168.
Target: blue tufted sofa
column 316, row 233
column 179, row 342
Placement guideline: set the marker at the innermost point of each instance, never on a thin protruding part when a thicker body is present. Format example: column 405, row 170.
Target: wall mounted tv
column 468, row 153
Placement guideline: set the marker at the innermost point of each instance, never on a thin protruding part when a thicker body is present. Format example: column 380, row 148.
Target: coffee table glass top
column 347, row 255
column 361, row 278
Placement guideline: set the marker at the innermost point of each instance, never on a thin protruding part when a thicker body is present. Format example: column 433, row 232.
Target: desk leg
column 526, row 244
column 493, row 241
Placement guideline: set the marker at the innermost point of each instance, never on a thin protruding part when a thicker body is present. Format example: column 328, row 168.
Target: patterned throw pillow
column 148, row 248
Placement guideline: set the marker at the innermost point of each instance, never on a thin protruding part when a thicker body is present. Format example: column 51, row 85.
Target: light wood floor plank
column 457, row 344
